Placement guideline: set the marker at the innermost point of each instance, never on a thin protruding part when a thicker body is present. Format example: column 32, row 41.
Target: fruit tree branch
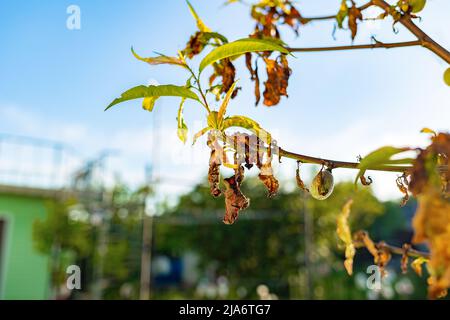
column 422, row 38
column 335, row 163
column 426, row 41
column 377, row 44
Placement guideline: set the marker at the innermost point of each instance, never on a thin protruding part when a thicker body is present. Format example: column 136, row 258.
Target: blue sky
column 55, row 83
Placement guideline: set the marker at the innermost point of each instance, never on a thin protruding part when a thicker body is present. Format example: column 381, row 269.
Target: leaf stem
column 199, row 88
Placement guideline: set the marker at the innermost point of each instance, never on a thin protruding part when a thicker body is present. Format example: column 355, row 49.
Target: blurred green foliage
column 287, row 243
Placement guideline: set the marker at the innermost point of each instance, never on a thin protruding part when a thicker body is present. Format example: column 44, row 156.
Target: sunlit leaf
column 249, row 124
column 200, row 24
column 160, row 59
column 200, row 133
column 344, row 233
column 240, row 47
column 149, row 103
column 342, row 14
column 380, row 157
column 154, row 91
column 226, row 100
column 182, row 130
column 206, row 36
column 417, row 265
column 428, row 130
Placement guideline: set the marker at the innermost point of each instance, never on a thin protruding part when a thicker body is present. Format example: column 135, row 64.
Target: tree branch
column 410, row 252
column 425, row 40
column 344, row 164
column 361, row 8
column 377, row 44
column 336, row 164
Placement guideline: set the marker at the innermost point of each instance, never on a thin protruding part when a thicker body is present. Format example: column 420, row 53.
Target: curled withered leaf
column 365, row 181
column 403, row 189
column 248, row 64
column 267, row 177
column 344, row 233
column 362, row 239
column 228, row 75
column 405, row 258
column 354, row 14
column 293, row 18
column 299, row 180
column 416, row 265
column 226, row 70
column 383, row 258
column 253, row 75
column 195, row 45
column 235, row 200
column 214, row 178
column 257, row 89
column 286, row 73
column 215, row 160
column 277, row 80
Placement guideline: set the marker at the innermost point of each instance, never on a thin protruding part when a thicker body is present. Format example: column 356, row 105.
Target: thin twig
column 405, row 20
column 425, row 40
column 377, row 44
column 410, row 252
column 335, row 163
column 361, row 8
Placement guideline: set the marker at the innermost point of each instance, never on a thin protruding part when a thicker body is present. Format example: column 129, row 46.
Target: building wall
column 25, row 272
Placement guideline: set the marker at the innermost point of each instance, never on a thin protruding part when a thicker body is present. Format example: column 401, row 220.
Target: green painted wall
column 24, row 272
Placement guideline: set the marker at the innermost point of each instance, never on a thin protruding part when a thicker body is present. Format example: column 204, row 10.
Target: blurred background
column 120, row 196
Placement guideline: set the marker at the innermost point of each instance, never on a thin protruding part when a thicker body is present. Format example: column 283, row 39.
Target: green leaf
column 239, row 47
column 226, row 100
column 343, row 12
column 200, row 24
column 182, row 130
column 380, row 157
column 200, row 133
column 249, row 124
column 161, row 59
column 155, row 92
column 206, row 36
column 149, row 103
column 428, row 130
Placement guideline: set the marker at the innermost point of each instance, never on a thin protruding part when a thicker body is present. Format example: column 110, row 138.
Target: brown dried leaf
column 432, row 224
column 235, row 200
column 228, row 75
column 195, row 45
column 257, row 89
column 277, row 80
column 365, row 181
column 354, row 14
column 226, row 70
column 383, row 258
column 344, row 233
column 299, row 180
column 405, row 258
column 214, row 179
column 403, row 189
column 266, row 176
